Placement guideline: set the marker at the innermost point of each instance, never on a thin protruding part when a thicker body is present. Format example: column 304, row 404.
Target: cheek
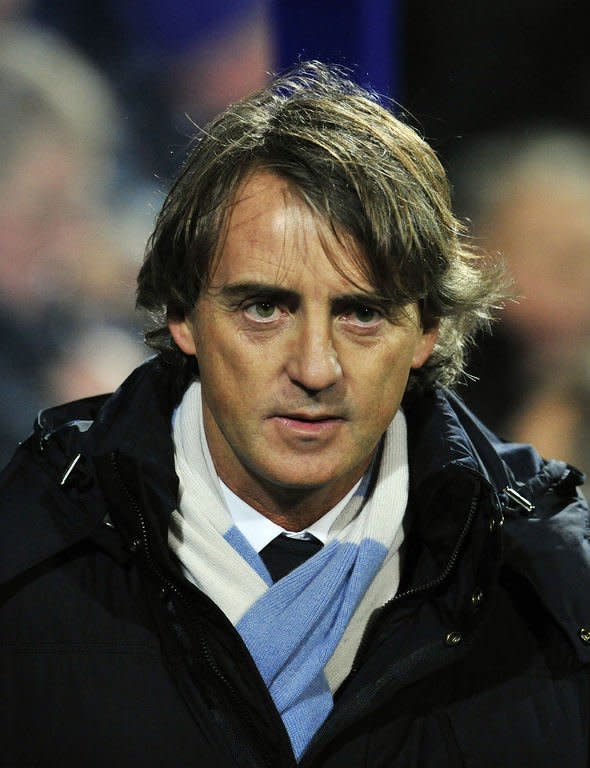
column 381, row 382
column 231, row 379
column 390, row 364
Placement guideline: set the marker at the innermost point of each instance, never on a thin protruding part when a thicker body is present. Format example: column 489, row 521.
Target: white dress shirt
column 260, row 531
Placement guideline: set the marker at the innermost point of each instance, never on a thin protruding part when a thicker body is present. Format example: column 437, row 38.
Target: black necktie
column 285, row 553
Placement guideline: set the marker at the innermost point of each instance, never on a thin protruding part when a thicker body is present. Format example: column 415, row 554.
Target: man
column 283, row 540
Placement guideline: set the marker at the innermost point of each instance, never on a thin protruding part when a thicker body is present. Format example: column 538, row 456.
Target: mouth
column 308, row 423
column 309, row 417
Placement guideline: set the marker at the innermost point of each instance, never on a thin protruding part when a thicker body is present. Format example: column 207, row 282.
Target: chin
column 302, row 480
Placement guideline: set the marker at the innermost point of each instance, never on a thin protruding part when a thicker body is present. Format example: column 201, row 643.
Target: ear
column 425, row 346
column 182, row 333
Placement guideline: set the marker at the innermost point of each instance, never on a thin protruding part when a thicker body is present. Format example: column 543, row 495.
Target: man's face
column 301, row 373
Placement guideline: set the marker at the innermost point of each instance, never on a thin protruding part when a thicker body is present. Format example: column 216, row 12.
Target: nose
column 313, row 362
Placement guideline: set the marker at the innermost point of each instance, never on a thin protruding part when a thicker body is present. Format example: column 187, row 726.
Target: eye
column 362, row 315
column 261, row 311
column 366, row 315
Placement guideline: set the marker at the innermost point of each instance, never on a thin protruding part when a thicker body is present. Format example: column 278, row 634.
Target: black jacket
column 111, row 658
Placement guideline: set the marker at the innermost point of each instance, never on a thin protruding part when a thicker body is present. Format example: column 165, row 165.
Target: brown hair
column 357, row 165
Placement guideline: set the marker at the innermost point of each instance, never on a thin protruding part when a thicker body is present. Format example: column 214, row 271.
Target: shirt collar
column 260, row 531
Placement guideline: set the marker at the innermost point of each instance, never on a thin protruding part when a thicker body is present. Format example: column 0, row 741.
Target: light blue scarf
column 303, row 631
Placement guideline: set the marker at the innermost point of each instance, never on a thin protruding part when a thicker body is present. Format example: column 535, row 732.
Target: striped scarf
column 304, row 630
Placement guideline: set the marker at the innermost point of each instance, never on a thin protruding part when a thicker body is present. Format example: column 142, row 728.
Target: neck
column 293, row 509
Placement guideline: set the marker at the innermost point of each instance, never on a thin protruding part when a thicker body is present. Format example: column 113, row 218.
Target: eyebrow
column 235, row 292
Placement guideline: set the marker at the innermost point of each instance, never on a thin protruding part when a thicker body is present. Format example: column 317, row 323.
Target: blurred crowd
column 67, row 254
column 90, row 134
column 94, row 120
column 527, row 195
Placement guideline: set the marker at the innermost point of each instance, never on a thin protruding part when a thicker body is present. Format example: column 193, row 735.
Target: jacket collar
column 57, row 469
column 68, row 461
column 447, row 447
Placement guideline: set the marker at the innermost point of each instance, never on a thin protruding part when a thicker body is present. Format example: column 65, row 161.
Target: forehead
column 273, row 235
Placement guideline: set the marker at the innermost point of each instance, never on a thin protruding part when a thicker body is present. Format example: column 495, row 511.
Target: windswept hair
column 364, row 171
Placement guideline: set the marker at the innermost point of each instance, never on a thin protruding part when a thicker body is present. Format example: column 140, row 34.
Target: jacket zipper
column 420, row 588
column 405, row 594
column 171, row 586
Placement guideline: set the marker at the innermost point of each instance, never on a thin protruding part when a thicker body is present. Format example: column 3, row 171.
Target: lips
column 309, row 424
column 310, row 417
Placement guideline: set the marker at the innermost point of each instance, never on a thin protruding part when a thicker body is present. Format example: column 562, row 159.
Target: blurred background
column 98, row 101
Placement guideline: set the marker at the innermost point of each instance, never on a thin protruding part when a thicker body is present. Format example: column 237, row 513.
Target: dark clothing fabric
column 110, row 657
